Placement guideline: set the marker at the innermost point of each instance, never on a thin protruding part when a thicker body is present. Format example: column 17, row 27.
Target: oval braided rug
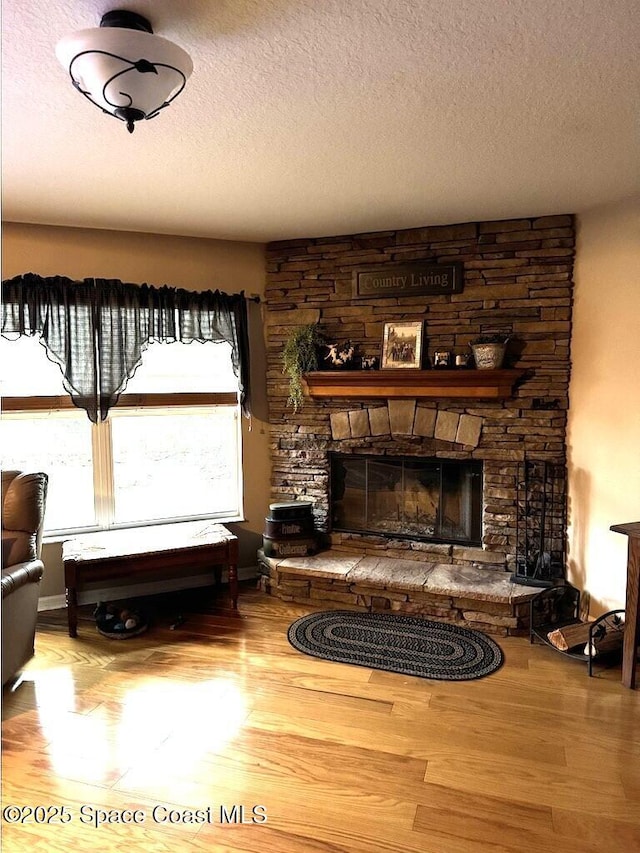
column 397, row 643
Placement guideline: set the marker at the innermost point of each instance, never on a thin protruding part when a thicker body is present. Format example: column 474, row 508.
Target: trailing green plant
column 493, row 338
column 300, row 355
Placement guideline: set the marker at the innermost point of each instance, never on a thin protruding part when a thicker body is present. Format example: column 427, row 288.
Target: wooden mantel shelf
column 398, row 383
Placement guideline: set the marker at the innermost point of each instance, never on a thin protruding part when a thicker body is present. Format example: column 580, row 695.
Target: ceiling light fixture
column 123, row 68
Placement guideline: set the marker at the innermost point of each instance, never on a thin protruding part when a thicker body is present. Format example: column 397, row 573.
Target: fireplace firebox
column 407, row 497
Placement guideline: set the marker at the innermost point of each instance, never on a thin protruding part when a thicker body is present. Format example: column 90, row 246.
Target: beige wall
column 604, row 398
column 194, row 264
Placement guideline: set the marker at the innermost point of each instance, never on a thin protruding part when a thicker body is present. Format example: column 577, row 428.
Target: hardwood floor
column 179, row 729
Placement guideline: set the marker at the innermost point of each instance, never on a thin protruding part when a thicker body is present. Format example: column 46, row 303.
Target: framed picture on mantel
column 402, row 345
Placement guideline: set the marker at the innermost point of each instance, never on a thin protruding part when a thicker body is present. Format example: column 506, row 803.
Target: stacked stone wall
column 518, row 279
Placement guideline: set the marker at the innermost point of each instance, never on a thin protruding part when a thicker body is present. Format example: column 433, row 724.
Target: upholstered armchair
column 24, row 498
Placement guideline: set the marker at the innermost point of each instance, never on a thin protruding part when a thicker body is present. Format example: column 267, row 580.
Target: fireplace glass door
column 407, row 497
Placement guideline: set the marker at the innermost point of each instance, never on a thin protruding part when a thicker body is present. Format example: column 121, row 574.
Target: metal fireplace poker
column 540, row 523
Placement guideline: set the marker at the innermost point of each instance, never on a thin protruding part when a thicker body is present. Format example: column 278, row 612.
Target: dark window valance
column 97, row 329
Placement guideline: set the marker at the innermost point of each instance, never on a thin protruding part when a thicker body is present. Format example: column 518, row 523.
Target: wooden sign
column 415, row 279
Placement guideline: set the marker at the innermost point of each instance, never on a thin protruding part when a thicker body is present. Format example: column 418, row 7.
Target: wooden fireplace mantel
column 398, row 383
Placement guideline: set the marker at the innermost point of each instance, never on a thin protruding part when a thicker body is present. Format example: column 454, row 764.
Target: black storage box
column 286, row 510
column 289, row 530
column 295, row 546
column 284, row 529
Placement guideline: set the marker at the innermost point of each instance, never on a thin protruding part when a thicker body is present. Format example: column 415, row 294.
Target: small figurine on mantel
column 340, row 355
column 369, row 362
column 442, row 359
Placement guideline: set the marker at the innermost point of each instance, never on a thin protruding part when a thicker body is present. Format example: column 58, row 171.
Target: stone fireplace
column 517, row 279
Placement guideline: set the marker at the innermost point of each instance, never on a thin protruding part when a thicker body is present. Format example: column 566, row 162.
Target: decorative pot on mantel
column 489, row 353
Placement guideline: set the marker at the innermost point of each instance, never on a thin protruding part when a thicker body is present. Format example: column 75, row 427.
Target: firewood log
column 605, row 641
column 569, row 636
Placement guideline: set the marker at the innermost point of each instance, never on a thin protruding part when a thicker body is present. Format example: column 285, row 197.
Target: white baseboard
column 92, row 596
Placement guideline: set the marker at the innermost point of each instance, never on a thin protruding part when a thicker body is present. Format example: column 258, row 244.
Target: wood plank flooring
column 199, row 733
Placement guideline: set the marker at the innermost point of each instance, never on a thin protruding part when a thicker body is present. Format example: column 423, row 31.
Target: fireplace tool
column 540, row 523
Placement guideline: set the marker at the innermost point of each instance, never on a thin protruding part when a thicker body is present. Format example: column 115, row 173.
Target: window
column 170, row 450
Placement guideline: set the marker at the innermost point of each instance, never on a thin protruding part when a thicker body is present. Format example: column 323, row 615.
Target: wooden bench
column 144, row 550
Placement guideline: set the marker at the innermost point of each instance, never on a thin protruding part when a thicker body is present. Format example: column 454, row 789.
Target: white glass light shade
column 122, row 69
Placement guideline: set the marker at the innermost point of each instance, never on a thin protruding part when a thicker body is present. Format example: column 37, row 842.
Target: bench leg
column 233, row 582
column 233, row 585
column 217, row 573
column 72, row 610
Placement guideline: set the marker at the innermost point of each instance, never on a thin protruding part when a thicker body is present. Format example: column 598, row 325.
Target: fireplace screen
column 407, row 497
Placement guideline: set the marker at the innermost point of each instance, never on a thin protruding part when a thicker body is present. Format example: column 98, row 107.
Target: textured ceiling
column 333, row 116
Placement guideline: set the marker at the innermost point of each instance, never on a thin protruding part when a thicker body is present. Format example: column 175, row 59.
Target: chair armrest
column 13, row 577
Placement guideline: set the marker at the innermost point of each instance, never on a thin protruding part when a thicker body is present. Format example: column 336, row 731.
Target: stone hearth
column 464, row 595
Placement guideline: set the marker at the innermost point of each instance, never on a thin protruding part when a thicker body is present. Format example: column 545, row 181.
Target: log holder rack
column 559, row 607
